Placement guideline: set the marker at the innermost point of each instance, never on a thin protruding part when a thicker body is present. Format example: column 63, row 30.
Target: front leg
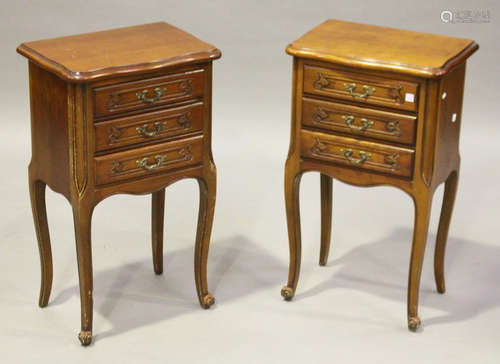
column 422, row 213
column 207, row 186
column 82, row 215
column 292, row 184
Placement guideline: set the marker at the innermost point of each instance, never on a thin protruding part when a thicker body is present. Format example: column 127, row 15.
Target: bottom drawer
column 148, row 160
column 355, row 153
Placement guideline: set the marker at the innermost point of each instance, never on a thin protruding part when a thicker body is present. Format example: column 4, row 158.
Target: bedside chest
column 120, row 111
column 376, row 106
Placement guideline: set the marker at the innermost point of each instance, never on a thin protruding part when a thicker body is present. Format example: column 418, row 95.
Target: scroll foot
column 85, row 337
column 287, row 293
column 413, row 323
column 208, row 301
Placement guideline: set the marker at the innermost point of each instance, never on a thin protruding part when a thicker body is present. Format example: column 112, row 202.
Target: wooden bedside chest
column 120, row 111
column 376, row 106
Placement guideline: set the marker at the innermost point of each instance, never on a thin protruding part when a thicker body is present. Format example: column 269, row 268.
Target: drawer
column 148, row 160
column 147, row 93
column 361, row 88
column 359, row 121
column 148, row 127
column 355, row 153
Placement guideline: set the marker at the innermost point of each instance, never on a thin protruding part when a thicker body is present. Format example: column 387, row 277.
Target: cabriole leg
column 205, row 219
column 422, row 214
column 82, row 215
column 292, row 187
column 450, row 190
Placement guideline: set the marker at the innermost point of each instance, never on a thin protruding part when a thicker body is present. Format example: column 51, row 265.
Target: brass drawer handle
column 349, row 120
column 367, row 90
column 143, row 163
column 143, row 95
column 348, row 155
column 143, row 130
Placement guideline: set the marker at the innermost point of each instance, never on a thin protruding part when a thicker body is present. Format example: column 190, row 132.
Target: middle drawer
column 359, row 121
column 148, row 127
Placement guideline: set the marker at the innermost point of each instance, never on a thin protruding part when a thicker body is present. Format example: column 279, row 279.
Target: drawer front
column 144, row 94
column 355, row 153
column 148, row 160
column 152, row 126
column 361, row 88
column 359, row 121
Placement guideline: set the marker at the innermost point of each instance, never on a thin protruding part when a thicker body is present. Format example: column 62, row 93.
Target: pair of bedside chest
column 376, row 106
column 129, row 111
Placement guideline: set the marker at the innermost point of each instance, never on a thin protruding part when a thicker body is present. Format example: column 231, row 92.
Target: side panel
column 449, row 119
column 49, row 129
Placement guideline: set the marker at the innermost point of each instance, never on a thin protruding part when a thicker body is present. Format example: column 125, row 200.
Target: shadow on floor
column 381, row 269
column 132, row 296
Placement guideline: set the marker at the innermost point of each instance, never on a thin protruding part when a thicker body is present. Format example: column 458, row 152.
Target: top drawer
column 147, row 93
column 361, row 88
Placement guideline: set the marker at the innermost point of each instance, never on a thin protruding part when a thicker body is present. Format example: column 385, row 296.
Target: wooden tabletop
column 85, row 57
column 374, row 47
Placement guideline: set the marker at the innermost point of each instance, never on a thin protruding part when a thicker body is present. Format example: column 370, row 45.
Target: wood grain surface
column 375, row 47
column 84, row 57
